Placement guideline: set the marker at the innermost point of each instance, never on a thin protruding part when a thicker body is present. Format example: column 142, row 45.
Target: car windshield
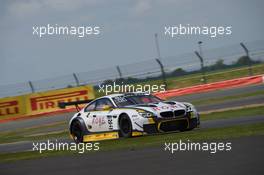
column 122, row 101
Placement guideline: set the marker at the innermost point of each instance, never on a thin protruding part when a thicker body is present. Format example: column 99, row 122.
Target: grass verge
column 153, row 140
column 227, row 98
column 249, row 111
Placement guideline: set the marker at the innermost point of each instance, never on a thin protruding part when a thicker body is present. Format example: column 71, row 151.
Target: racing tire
column 77, row 132
column 193, row 123
column 187, row 129
column 125, row 126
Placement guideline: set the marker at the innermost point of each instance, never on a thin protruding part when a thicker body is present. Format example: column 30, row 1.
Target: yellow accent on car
column 140, row 110
column 100, row 136
column 136, row 133
column 151, row 121
column 71, row 136
column 192, row 115
column 159, row 127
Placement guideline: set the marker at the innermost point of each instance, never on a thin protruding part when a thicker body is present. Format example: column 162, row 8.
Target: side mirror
column 106, row 107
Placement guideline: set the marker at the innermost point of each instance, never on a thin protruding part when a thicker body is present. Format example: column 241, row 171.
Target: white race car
column 128, row 115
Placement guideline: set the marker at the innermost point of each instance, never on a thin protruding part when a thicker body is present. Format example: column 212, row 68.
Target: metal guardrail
column 145, row 69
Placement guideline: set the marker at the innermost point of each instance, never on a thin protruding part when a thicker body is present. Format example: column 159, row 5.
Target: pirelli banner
column 12, row 106
column 42, row 102
column 45, row 102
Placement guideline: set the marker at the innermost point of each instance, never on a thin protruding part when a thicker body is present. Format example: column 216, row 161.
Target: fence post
column 157, row 45
column 202, row 66
column 162, row 73
column 31, row 86
column 249, row 61
column 76, row 79
column 119, row 72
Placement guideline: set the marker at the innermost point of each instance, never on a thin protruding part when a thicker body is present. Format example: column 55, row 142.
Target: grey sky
column 127, row 27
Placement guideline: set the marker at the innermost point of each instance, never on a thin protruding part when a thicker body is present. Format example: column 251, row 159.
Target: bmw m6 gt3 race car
column 128, row 115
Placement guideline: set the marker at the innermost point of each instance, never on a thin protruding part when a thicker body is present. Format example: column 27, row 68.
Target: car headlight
column 189, row 107
column 145, row 114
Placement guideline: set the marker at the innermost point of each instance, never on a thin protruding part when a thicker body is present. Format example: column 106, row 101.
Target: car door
column 98, row 117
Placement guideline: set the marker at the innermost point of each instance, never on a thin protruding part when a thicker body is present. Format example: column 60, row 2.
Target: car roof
column 112, row 95
column 123, row 94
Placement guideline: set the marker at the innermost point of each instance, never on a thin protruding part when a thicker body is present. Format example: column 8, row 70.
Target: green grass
column 213, row 76
column 151, row 141
column 245, row 112
column 227, row 98
column 15, row 137
column 7, row 157
column 195, row 135
column 27, row 135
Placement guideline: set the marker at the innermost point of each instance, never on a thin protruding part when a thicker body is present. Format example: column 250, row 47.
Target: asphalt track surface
column 245, row 157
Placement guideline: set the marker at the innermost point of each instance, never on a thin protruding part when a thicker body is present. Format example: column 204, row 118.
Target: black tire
column 187, row 129
column 125, row 126
column 76, row 131
column 193, row 123
column 184, row 128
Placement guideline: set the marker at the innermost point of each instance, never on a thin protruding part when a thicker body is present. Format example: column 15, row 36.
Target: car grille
column 179, row 113
column 167, row 114
column 173, row 125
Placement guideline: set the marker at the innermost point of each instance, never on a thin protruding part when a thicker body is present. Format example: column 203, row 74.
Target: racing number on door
column 110, row 122
column 99, row 118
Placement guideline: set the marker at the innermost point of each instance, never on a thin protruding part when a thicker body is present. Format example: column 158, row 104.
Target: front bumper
column 168, row 125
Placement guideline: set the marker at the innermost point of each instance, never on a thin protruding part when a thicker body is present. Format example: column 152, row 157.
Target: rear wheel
column 77, row 132
column 125, row 126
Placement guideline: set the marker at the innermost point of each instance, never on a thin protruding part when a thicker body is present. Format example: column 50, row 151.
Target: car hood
column 157, row 108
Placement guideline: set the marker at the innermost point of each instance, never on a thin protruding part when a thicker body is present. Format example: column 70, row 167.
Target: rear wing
column 63, row 105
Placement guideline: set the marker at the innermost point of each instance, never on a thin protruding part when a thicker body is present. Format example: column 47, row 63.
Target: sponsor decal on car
column 98, row 121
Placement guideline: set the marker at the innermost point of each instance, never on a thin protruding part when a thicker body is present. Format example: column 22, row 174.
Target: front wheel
column 193, row 123
column 125, row 126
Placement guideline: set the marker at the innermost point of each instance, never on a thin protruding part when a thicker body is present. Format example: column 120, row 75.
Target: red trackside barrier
column 211, row 86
